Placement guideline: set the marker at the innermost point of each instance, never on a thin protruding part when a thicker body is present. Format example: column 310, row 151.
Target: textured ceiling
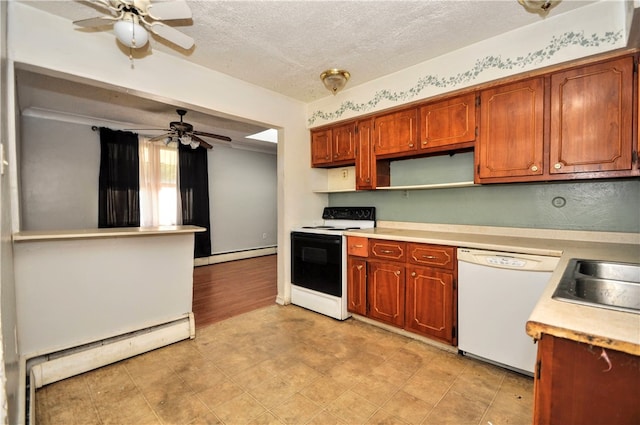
column 285, row 45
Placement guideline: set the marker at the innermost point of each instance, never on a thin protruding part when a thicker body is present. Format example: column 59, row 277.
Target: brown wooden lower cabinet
column 578, row 383
column 407, row 285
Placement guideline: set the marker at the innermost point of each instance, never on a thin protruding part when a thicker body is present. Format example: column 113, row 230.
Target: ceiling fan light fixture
column 130, row 33
column 335, row 79
column 185, row 139
column 541, row 7
column 194, row 144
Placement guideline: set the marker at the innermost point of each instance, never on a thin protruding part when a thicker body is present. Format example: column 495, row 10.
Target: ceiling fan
column 183, row 132
column 132, row 18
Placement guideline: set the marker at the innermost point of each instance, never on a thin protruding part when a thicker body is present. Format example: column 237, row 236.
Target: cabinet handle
column 386, row 251
column 397, row 272
column 534, row 168
column 359, row 267
column 335, row 155
column 368, row 180
column 410, row 145
column 429, row 257
column 557, row 166
column 413, row 274
column 358, row 246
column 425, row 142
column 326, row 157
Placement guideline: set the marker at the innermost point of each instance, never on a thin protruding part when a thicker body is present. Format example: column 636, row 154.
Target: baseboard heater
column 57, row 366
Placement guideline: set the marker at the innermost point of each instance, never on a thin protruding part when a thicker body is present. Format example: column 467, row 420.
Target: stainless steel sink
column 603, row 284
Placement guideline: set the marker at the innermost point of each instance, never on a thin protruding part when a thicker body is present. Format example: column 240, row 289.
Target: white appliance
column 318, row 260
column 497, row 292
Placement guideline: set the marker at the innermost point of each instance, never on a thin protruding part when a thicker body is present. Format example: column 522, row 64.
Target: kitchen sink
column 603, row 284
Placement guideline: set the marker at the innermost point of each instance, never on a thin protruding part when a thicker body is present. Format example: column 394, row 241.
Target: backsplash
column 605, row 205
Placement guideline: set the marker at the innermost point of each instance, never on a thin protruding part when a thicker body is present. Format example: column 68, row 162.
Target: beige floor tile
column 382, row 417
column 456, row 409
column 283, row 365
column 326, row 418
column 224, row 391
column 374, row 389
column 323, row 390
column 272, row 391
column 352, row 408
column 407, row 407
column 239, row 410
column 267, row 418
column 296, row 410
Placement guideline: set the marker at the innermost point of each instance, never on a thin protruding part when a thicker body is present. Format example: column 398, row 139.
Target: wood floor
column 227, row 289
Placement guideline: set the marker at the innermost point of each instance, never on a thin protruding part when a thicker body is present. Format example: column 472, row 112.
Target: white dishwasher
column 497, row 292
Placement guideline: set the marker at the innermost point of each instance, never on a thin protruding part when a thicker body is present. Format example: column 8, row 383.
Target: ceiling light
column 194, row 144
column 129, row 32
column 335, row 79
column 185, row 140
column 539, row 6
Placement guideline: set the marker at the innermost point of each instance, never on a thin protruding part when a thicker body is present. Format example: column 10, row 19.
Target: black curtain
column 119, row 181
column 194, row 194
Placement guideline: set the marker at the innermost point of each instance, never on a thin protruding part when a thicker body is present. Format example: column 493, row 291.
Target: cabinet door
column 510, row 143
column 344, row 142
column 396, row 133
column 357, row 285
column 385, row 292
column 321, row 151
column 578, row 383
column 591, row 115
column 449, row 122
column 429, row 307
column 365, row 159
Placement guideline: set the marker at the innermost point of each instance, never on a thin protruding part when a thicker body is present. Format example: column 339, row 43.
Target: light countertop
column 115, row 232
column 597, row 326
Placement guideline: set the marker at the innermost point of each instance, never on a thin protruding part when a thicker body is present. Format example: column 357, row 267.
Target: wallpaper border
column 557, row 43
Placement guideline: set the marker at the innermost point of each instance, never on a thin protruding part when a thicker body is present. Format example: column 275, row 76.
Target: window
column 158, row 184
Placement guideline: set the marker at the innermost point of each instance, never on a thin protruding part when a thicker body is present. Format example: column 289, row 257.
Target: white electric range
column 318, row 260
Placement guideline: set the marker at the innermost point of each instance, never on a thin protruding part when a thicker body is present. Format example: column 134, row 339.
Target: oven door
column 316, row 262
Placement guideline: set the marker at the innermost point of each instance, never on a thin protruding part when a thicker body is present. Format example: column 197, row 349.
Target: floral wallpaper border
column 488, row 62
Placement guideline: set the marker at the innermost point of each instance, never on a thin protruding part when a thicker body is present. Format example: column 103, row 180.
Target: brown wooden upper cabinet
column 334, row 146
column 396, row 133
column 370, row 172
column 449, row 123
column 591, row 114
column 587, row 132
column 321, row 151
column 510, row 143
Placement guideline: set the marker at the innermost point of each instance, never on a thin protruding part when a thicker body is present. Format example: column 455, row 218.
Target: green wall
column 596, row 205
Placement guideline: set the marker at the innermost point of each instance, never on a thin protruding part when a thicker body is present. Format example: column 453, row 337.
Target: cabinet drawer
column 388, row 250
column 357, row 246
column 432, row 255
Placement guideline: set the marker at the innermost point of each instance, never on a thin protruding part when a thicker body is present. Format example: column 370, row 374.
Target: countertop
column 597, row 326
column 114, row 232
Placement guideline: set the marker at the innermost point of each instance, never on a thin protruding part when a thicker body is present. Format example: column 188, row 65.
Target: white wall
column 242, row 196
column 59, row 168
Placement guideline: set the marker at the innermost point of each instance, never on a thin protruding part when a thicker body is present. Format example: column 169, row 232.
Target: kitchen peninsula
column 89, row 287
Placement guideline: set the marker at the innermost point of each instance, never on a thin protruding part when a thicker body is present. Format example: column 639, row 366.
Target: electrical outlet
column 345, row 173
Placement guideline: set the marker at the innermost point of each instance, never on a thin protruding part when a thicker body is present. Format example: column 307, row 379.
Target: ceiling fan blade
column 106, row 4
column 202, row 142
column 98, row 21
column 176, row 9
column 214, row 136
column 161, row 137
column 171, row 34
